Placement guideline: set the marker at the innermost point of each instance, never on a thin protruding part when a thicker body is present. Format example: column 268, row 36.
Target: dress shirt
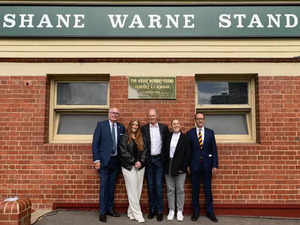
column 202, row 133
column 173, row 144
column 116, row 136
column 155, row 139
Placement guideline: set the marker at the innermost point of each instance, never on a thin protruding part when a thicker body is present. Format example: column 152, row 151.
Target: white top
column 173, row 144
column 156, row 142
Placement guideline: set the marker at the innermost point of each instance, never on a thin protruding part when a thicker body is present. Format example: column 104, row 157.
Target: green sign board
column 149, row 21
column 152, row 88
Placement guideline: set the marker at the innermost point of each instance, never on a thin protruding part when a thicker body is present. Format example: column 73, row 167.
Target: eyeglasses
column 115, row 113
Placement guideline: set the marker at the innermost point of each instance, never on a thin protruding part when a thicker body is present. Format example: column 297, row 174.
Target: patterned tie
column 113, row 135
column 200, row 139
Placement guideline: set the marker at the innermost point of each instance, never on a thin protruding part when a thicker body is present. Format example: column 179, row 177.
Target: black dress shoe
column 195, row 217
column 102, row 218
column 151, row 215
column 113, row 213
column 159, row 217
column 212, row 217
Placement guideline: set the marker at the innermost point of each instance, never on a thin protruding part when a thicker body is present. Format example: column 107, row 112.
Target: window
column 76, row 105
column 228, row 102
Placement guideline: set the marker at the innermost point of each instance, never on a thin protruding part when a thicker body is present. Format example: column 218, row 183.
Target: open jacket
column 164, row 132
column 181, row 157
column 127, row 153
column 102, row 145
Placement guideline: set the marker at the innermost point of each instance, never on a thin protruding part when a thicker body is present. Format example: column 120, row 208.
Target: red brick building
column 248, row 87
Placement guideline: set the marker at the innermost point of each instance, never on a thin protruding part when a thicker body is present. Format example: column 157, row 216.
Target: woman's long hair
column 138, row 136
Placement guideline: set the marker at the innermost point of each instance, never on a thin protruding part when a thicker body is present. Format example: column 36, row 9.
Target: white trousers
column 134, row 184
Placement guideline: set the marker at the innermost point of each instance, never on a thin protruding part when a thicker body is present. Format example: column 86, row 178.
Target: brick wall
column 263, row 173
column 15, row 212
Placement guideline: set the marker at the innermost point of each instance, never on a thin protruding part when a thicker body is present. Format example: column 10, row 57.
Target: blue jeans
column 154, row 177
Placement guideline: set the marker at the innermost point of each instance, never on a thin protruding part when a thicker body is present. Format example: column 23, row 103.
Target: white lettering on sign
column 273, row 21
column 189, row 21
column 258, row 21
column 44, row 21
column 174, row 20
column 136, row 22
column 118, row 21
column 153, row 21
column 26, row 20
column 9, row 20
column 291, row 20
column 78, row 21
column 65, row 20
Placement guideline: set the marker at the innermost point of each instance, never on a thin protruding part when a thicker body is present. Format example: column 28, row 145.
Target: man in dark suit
column 105, row 156
column 203, row 165
column 155, row 135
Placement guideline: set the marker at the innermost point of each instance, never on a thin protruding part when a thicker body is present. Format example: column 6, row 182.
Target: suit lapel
column 148, row 131
column 108, row 129
column 118, row 132
column 169, row 144
column 160, row 131
column 206, row 137
column 178, row 143
column 195, row 133
column 196, row 136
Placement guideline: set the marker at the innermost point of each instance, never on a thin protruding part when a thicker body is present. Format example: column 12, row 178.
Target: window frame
column 223, row 109
column 55, row 111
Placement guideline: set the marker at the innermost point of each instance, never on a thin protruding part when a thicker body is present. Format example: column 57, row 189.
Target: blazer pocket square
column 210, row 155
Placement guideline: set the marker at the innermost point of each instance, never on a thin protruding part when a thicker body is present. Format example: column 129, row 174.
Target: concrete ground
column 67, row 217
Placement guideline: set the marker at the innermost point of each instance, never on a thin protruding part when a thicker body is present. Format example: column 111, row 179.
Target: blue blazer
column 102, row 141
column 209, row 151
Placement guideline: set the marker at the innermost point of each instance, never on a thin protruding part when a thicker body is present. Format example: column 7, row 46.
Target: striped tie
column 200, row 139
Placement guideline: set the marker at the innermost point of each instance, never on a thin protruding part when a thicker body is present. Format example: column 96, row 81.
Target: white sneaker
column 141, row 220
column 131, row 217
column 179, row 216
column 171, row 215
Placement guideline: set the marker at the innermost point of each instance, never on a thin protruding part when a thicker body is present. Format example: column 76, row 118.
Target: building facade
column 55, row 86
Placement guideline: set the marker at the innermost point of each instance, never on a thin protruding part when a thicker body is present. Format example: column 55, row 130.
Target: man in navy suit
column 155, row 135
column 105, row 156
column 203, row 165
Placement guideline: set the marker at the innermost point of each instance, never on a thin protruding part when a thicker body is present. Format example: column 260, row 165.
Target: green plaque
column 151, row 88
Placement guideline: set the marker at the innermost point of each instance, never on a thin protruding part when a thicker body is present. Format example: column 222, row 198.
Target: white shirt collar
column 201, row 129
column 111, row 123
column 154, row 125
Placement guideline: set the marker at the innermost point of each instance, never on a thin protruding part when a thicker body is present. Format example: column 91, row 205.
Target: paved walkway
column 63, row 217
